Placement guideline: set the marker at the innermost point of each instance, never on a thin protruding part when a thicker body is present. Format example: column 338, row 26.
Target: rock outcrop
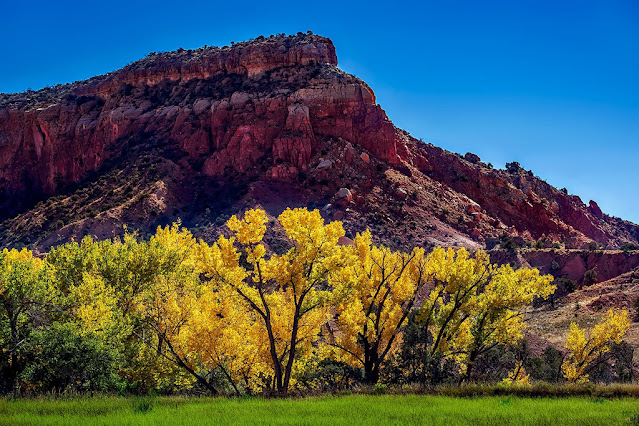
column 231, row 108
column 573, row 264
column 274, row 115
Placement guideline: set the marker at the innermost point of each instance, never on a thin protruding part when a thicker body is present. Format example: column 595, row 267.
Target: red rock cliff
column 234, row 107
column 269, row 110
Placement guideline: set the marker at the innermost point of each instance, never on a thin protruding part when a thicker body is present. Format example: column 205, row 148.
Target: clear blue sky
column 551, row 84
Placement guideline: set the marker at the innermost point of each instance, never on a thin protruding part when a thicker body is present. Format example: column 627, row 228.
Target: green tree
column 25, row 289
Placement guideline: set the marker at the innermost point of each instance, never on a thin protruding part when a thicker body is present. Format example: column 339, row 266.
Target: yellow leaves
column 14, row 263
column 287, row 296
column 511, row 288
column 307, row 229
column 362, row 245
column 255, row 254
column 250, row 230
column 612, row 328
column 220, row 333
column 24, row 279
column 507, row 327
column 314, row 256
column 474, row 304
column 576, row 339
column 574, row 373
column 220, row 261
column 458, row 268
column 379, row 287
column 176, row 243
column 584, row 350
column 14, row 255
column 94, row 305
column 518, row 376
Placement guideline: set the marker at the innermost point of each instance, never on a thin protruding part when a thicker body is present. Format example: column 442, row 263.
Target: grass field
column 328, row 410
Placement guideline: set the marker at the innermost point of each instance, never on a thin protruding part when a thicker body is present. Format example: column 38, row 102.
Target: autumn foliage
column 172, row 312
column 585, row 351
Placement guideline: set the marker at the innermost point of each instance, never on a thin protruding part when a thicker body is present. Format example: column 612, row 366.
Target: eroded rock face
column 268, row 110
column 257, row 104
column 533, row 208
column 573, row 264
column 249, row 59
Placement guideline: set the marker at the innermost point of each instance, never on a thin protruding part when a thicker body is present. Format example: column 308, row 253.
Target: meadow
column 323, row 410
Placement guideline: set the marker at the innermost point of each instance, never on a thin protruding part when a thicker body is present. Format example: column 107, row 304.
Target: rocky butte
column 275, row 122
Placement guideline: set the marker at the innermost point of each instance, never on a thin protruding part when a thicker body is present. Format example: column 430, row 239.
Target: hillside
column 202, row 134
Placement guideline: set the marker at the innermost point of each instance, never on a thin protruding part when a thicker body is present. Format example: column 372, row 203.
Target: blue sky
column 551, row 84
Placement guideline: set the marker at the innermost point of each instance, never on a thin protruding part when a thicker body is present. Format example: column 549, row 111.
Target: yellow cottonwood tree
column 518, row 376
column 475, row 305
column 222, row 334
column 168, row 305
column 498, row 318
column 382, row 287
column 289, row 293
column 584, row 351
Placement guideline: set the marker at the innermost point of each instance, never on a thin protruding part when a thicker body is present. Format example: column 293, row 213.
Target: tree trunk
column 199, row 378
column 180, row 362
column 13, row 369
column 469, row 367
column 231, row 381
column 160, row 338
column 371, row 365
column 277, row 367
column 291, row 354
column 372, row 376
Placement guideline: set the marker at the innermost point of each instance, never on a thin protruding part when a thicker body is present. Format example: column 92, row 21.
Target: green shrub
column 506, row 243
column 331, row 375
column 513, row 168
column 65, row 360
column 545, row 367
column 380, row 388
column 590, row 277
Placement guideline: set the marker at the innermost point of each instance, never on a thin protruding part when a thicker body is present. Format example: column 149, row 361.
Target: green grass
column 326, row 410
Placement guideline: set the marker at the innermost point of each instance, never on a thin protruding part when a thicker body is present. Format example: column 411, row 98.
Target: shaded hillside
column 202, row 134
